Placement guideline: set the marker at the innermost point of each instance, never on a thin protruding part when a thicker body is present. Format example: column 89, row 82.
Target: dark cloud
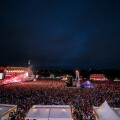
column 60, row 34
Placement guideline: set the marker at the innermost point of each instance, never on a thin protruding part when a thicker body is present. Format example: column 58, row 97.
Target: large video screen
column 1, row 75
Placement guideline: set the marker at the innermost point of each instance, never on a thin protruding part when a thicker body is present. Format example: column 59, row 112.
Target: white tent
column 5, row 109
column 116, row 79
column 60, row 113
column 117, row 110
column 104, row 112
column 49, row 112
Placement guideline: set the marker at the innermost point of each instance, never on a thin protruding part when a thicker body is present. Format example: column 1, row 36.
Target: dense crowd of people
column 49, row 92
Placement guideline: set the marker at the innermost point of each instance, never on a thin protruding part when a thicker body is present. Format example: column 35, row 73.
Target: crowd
column 49, row 92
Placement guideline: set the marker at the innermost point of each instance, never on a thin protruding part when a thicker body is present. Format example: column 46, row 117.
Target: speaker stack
column 69, row 82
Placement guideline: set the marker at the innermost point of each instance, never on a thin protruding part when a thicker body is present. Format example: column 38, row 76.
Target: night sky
column 60, row 34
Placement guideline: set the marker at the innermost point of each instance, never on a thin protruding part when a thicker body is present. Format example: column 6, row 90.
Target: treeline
column 110, row 74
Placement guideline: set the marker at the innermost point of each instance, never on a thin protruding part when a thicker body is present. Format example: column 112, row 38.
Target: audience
column 49, row 92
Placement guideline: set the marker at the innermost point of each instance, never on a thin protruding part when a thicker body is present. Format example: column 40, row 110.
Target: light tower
column 78, row 78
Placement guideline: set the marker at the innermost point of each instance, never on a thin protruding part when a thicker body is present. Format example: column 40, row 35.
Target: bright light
column 63, row 110
column 1, row 75
column 37, row 76
column 77, row 71
column 26, row 74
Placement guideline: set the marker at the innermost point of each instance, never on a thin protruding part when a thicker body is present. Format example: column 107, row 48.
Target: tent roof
column 88, row 84
column 45, row 112
column 4, row 108
column 104, row 112
column 116, row 79
column 35, row 113
column 60, row 113
column 117, row 110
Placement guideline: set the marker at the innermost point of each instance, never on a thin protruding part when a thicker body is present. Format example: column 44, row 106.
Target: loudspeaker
column 82, row 86
column 69, row 82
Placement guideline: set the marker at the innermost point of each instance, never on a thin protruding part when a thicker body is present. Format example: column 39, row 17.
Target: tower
column 78, row 78
column 29, row 62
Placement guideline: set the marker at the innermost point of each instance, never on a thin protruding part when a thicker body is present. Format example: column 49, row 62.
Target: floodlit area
column 16, row 74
